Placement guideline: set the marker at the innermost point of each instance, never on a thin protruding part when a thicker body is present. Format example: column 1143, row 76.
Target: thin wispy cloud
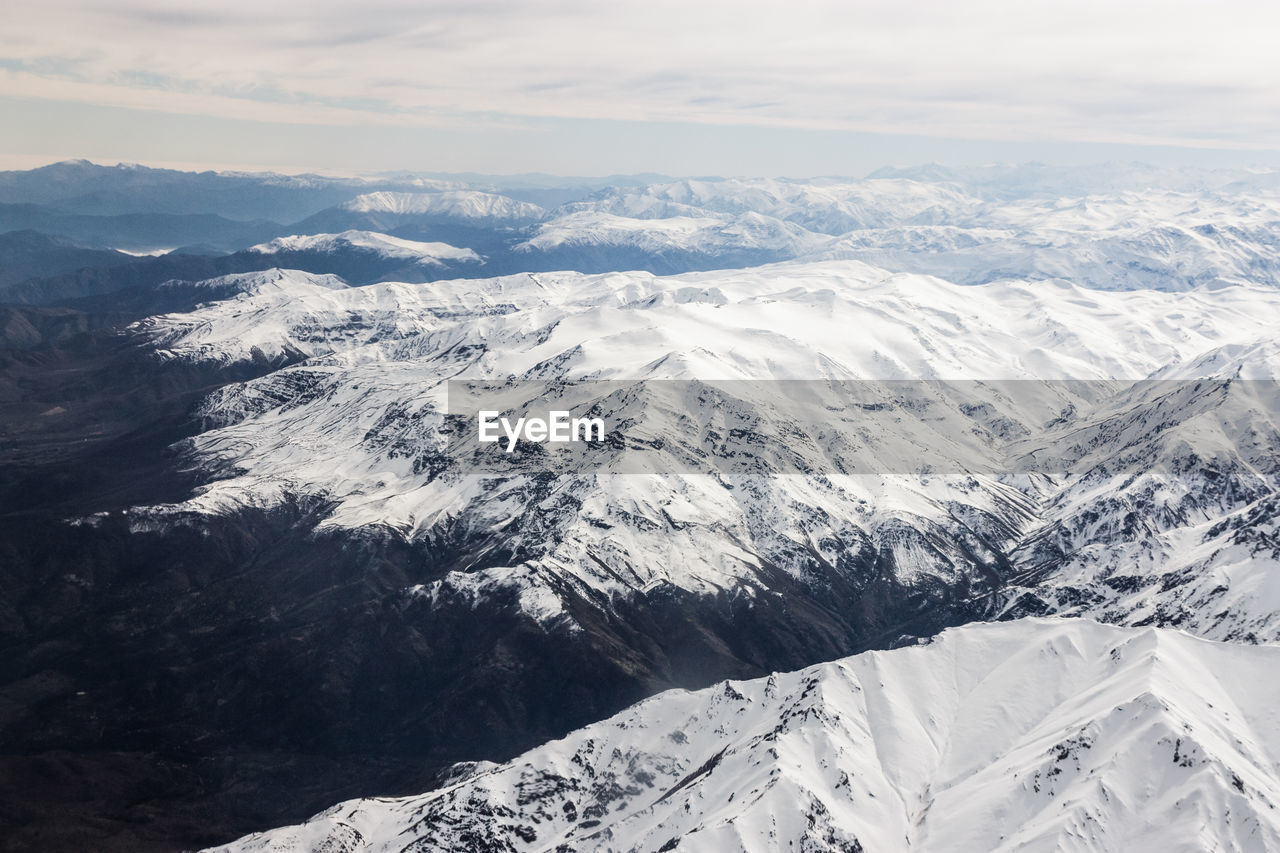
column 1168, row 73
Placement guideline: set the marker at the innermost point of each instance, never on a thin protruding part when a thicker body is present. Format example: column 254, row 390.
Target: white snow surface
column 370, row 241
column 1033, row 735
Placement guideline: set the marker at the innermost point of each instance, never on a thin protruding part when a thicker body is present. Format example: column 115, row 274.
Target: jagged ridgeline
column 1036, row 734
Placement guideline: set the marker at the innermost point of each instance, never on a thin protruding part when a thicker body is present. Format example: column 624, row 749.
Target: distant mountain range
column 1176, row 230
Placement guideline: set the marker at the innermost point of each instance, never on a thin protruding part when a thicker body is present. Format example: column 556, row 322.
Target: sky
column 614, row 86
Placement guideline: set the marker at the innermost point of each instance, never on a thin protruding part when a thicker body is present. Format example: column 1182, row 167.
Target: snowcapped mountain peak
column 370, row 241
column 248, row 331
column 1038, row 734
column 265, row 282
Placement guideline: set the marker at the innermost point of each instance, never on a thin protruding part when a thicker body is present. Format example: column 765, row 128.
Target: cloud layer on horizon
column 1168, row 73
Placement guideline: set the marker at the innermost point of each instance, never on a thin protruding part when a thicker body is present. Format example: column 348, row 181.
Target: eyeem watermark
column 559, row 427
column 851, row 427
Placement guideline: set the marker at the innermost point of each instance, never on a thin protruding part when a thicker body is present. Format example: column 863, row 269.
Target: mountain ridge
column 1011, row 736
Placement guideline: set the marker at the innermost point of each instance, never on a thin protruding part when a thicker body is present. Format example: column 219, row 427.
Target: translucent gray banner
column 860, row 427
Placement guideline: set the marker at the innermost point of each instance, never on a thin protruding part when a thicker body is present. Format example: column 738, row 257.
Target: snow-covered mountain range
column 1155, row 504
column 1034, row 735
column 1105, row 228
column 844, row 415
column 1150, row 238
column 1136, row 484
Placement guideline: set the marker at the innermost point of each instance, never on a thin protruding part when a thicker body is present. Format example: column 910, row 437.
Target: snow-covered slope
column 911, row 327
column 271, row 285
column 1030, row 735
column 362, row 257
column 1041, row 482
column 383, row 245
column 1172, row 511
